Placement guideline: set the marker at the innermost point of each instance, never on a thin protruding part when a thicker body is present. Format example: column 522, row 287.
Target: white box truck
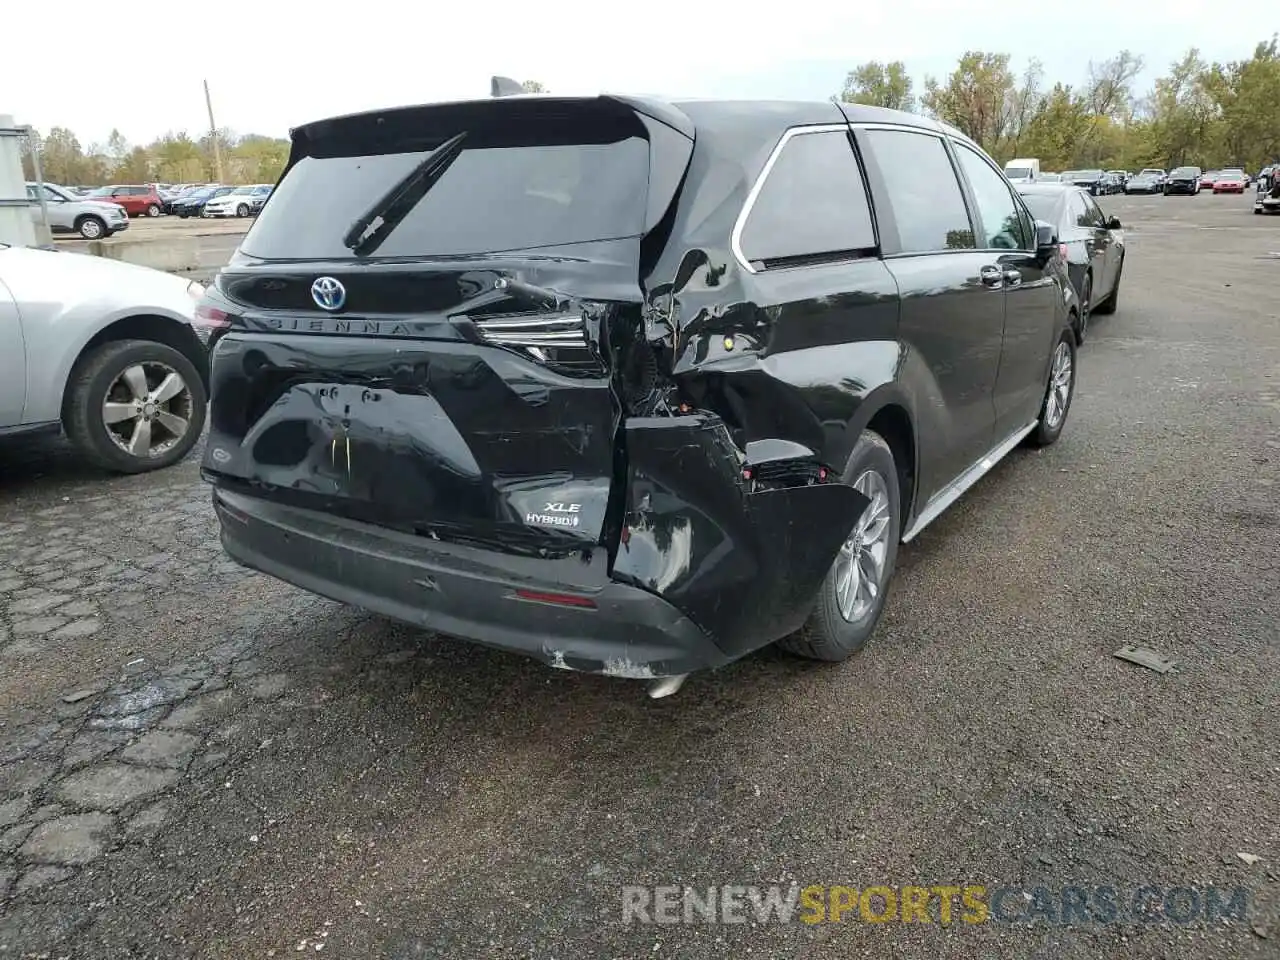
column 1023, row 170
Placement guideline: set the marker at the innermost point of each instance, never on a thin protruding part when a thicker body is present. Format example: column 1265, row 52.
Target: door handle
column 991, row 276
column 1012, row 277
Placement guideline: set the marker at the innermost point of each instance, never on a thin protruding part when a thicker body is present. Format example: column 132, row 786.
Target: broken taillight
column 209, row 320
column 557, row 599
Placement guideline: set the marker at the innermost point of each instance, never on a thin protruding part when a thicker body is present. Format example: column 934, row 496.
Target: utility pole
column 213, row 135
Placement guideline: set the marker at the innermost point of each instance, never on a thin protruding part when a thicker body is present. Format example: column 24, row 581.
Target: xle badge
column 556, row 515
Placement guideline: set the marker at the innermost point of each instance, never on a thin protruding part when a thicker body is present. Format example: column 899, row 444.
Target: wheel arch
column 887, row 411
column 146, row 326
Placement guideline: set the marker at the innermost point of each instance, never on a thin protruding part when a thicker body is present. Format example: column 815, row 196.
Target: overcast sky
column 272, row 65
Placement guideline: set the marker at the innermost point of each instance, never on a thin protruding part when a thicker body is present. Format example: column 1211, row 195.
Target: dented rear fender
column 742, row 563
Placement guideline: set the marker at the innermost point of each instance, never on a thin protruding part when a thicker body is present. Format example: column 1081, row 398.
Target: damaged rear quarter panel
column 743, row 566
column 803, row 354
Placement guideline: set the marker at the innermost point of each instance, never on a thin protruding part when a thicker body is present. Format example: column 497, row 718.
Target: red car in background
column 1208, row 179
column 137, row 200
column 1230, row 181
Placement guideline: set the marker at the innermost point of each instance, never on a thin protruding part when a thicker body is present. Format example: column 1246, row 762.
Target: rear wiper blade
column 400, row 199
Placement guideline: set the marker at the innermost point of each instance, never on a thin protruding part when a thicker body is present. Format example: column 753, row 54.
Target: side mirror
column 1046, row 238
column 1113, row 223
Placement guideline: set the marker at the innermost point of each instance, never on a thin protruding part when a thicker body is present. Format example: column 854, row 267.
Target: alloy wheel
column 860, row 564
column 1060, row 378
column 148, row 409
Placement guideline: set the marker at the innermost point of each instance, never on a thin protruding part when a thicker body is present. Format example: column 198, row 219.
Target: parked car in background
column 489, row 369
column 181, row 193
column 1230, row 181
column 103, row 350
column 1207, row 179
column 1111, row 183
column 1144, row 182
column 1160, row 176
column 1121, row 175
column 91, row 219
column 238, row 202
column 1183, row 180
column 1049, row 178
column 192, row 205
column 1095, row 181
column 259, row 197
column 1266, row 197
column 137, row 201
column 1092, row 246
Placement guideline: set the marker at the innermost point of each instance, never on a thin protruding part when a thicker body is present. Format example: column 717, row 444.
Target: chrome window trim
column 735, row 238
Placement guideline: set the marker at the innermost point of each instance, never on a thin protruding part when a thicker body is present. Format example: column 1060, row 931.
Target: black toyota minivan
column 635, row 387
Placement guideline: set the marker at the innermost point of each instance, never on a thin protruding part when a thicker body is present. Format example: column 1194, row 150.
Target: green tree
column 1247, row 97
column 976, row 98
column 134, row 168
column 880, row 85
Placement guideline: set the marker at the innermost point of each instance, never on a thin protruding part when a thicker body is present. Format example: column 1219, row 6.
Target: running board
column 956, row 488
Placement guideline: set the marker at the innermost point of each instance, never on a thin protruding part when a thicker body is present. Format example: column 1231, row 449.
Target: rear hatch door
column 418, row 325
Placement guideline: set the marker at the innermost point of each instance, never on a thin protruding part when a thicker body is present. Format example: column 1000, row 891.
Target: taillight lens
column 208, row 320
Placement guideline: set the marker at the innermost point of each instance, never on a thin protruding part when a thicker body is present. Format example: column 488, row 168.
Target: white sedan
column 103, row 351
column 238, row 203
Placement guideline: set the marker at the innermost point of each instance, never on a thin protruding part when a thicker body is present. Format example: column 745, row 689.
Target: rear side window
column 493, row 197
column 928, row 207
column 1002, row 221
column 812, row 205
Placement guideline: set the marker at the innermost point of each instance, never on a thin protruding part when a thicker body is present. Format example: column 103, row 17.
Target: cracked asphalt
column 197, row 761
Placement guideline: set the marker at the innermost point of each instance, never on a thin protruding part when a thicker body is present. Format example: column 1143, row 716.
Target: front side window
column 1002, row 221
column 812, row 204
column 925, row 196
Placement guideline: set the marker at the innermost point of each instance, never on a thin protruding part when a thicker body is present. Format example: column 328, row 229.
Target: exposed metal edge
column 960, row 484
column 735, row 238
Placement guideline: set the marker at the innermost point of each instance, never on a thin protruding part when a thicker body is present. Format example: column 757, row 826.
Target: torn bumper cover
column 705, row 571
column 509, row 602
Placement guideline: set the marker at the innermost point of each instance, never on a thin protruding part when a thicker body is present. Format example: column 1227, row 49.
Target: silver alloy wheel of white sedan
column 148, row 409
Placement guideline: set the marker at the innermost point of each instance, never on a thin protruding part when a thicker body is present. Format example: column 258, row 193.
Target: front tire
column 134, row 405
column 92, row 228
column 1059, row 392
column 852, row 596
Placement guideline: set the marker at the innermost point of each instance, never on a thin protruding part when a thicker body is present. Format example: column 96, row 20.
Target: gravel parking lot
column 196, row 761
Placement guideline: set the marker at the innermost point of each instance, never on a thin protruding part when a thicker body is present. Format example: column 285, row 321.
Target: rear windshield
column 1015, row 173
column 1041, row 205
column 492, row 198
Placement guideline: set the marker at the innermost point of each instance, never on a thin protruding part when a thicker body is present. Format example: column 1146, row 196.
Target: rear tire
column 153, row 211
column 242, row 211
column 1057, row 401
column 830, row 634
column 92, row 380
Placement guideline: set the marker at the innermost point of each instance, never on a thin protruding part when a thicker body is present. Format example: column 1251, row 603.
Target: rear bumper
column 468, row 592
